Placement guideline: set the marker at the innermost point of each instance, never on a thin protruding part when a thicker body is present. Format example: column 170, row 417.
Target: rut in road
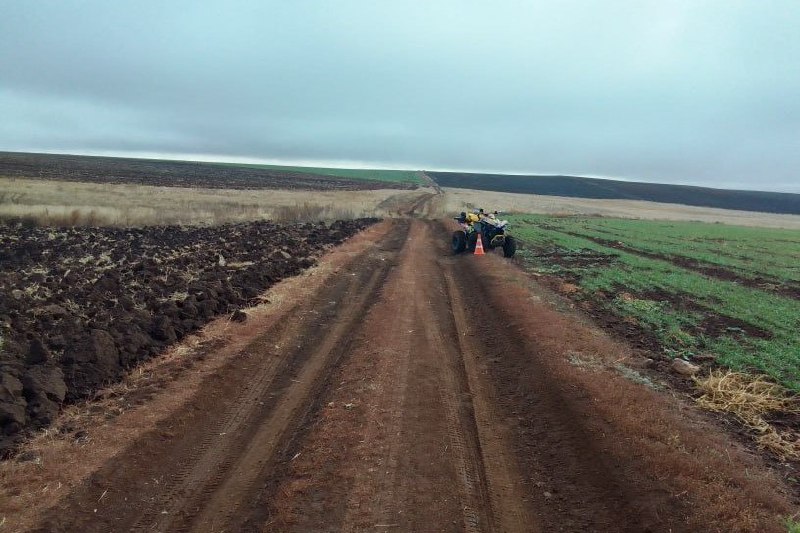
column 400, row 398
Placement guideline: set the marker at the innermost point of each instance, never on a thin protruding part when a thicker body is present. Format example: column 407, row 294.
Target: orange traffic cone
column 479, row 246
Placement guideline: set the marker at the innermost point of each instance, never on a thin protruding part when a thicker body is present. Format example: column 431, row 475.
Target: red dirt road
column 417, row 391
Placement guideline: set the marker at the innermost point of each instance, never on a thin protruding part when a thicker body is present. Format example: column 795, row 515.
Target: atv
column 493, row 235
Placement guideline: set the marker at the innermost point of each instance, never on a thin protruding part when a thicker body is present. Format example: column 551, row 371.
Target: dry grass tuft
column 311, row 212
column 750, row 399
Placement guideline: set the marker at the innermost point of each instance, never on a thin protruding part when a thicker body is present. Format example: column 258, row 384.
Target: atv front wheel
column 459, row 241
column 509, row 246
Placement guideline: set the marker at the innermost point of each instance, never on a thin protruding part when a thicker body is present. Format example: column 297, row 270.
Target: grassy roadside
column 702, row 290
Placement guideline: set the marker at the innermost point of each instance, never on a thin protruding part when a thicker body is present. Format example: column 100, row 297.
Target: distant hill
column 577, row 187
column 170, row 173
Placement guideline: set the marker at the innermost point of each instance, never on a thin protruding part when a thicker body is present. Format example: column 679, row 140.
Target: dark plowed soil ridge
column 579, row 187
column 80, row 306
column 174, row 173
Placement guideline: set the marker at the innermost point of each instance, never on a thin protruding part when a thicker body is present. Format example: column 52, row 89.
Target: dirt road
column 416, row 392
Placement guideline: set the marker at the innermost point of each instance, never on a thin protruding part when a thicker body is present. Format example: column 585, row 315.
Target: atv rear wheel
column 509, row 247
column 459, row 241
column 472, row 241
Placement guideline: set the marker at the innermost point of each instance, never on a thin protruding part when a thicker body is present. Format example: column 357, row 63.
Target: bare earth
column 393, row 388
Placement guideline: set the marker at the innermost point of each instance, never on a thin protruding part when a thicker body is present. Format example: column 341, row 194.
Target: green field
column 731, row 292
column 401, row 176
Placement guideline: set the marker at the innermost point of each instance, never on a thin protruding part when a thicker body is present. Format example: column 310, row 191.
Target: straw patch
column 750, row 399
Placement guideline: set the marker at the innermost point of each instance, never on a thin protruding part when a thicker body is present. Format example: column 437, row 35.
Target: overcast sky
column 700, row 92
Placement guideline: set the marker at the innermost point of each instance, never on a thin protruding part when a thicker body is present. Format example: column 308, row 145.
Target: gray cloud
column 676, row 91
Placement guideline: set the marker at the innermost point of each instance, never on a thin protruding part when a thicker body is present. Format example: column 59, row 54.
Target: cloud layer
column 683, row 92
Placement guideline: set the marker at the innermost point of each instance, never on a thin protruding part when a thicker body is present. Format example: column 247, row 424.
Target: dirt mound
column 79, row 306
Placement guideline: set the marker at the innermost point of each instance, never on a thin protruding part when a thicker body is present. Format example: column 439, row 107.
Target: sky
column 703, row 92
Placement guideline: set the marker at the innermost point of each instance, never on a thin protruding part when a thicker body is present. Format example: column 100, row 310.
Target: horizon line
column 347, row 164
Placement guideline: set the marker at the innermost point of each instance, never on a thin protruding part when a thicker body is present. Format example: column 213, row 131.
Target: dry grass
column 457, row 200
column 59, row 203
column 309, row 212
column 750, row 399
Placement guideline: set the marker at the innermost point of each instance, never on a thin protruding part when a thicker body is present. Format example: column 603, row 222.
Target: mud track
column 403, row 396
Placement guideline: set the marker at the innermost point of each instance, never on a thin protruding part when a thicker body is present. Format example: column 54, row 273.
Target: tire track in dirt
column 566, row 476
column 418, row 459
column 213, row 456
column 418, row 208
column 225, row 493
column 433, row 320
column 238, row 470
column 403, row 445
column 380, row 444
column 409, row 454
column 461, row 429
column 510, row 513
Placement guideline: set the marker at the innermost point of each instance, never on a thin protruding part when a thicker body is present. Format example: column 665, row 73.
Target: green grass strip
column 779, row 316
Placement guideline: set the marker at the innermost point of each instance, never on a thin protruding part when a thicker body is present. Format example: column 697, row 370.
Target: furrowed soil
column 404, row 389
column 79, row 306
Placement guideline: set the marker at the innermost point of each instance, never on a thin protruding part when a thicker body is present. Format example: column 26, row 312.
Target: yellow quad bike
column 492, row 232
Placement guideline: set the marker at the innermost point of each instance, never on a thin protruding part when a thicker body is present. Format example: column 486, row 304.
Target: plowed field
column 80, row 306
